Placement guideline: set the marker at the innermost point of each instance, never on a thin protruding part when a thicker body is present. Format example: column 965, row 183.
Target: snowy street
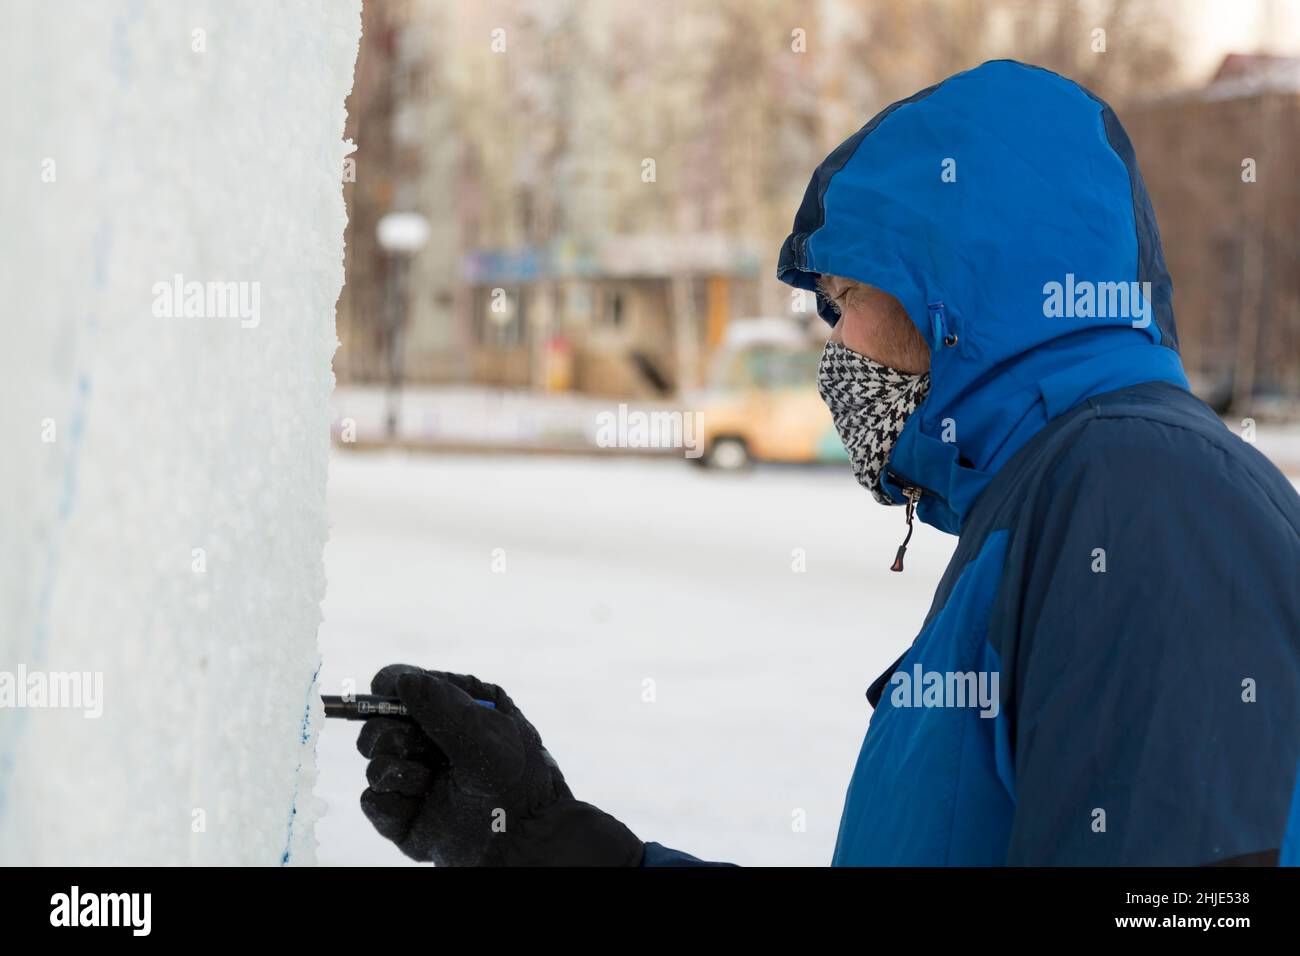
column 622, row 575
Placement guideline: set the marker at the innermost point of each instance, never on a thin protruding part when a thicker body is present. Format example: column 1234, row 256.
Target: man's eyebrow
column 826, row 287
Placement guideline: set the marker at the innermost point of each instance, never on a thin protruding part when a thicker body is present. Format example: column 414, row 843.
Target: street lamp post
column 401, row 235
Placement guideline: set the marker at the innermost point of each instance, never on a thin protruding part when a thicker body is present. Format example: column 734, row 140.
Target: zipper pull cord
column 913, row 495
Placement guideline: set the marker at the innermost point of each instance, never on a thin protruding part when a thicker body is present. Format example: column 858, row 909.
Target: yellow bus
column 761, row 402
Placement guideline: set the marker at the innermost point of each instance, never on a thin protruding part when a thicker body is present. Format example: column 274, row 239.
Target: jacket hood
column 1004, row 208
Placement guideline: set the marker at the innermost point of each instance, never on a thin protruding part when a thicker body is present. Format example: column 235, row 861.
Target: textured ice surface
column 169, row 537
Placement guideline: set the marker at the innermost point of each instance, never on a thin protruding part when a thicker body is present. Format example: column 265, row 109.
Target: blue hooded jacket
column 1126, row 586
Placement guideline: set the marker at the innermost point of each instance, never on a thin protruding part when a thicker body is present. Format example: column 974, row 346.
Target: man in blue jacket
column 1110, row 670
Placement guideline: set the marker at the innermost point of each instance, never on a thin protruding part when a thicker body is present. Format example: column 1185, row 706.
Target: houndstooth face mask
column 870, row 404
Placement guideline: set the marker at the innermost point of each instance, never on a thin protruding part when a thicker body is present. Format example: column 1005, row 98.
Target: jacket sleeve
column 1153, row 634
column 658, row 855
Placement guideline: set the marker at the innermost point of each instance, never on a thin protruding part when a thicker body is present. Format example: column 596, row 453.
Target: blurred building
column 369, row 184
column 631, row 315
column 608, row 185
column 604, row 188
column 1220, row 166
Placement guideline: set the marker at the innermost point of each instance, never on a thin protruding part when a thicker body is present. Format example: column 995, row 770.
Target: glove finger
column 388, row 735
column 479, row 690
column 449, row 830
column 384, row 682
column 394, row 775
column 484, row 746
column 389, row 813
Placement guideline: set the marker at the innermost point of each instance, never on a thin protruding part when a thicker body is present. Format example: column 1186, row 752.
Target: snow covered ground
column 617, row 572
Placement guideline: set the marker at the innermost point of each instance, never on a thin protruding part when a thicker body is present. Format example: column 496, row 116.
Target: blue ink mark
column 305, row 733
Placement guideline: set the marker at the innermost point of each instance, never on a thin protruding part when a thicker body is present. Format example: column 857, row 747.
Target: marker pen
column 365, row 706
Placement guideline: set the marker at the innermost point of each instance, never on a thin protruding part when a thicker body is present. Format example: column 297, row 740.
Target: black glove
column 469, row 785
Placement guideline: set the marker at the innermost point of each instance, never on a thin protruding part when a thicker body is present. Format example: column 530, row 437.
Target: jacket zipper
column 913, row 496
column 913, row 492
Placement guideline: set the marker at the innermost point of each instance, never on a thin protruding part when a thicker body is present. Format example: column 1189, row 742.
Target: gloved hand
column 468, row 785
